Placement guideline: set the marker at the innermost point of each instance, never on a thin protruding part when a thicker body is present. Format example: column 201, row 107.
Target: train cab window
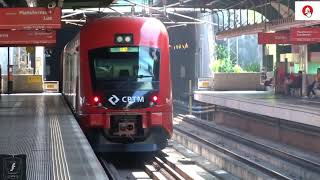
column 137, row 66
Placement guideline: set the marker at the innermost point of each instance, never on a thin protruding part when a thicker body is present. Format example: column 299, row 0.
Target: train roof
column 124, row 20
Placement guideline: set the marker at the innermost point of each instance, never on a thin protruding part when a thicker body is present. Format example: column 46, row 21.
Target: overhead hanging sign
column 273, row 38
column 15, row 38
column 305, row 35
column 30, row 18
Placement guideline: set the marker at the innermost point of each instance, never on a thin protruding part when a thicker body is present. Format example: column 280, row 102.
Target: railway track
column 209, row 127
column 160, row 166
column 166, row 165
column 159, row 169
column 110, row 169
column 314, row 166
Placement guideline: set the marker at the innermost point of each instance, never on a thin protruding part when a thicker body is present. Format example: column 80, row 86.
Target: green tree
column 223, row 63
column 222, row 52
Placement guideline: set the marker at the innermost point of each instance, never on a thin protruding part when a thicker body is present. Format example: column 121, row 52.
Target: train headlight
column 127, row 39
column 124, row 38
column 119, row 39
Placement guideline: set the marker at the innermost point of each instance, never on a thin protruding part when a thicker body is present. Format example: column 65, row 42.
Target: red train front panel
column 125, row 83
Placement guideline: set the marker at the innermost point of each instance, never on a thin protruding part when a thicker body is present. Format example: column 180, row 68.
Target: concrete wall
column 236, row 81
column 24, row 84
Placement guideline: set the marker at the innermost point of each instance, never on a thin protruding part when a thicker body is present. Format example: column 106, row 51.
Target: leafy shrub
column 224, row 64
column 237, row 69
column 253, row 67
column 215, row 67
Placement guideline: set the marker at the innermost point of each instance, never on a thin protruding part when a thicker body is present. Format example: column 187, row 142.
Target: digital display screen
column 124, row 49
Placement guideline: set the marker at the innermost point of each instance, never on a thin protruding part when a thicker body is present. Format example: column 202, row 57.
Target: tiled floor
column 42, row 127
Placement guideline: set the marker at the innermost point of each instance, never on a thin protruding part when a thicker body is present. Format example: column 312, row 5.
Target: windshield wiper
column 144, row 76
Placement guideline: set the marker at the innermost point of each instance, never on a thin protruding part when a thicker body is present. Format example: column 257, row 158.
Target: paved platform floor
column 297, row 109
column 42, row 127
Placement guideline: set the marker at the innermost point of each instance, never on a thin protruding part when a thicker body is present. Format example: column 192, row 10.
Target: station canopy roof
column 62, row 3
column 271, row 9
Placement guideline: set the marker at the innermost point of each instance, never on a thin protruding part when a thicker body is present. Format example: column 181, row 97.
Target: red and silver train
column 117, row 80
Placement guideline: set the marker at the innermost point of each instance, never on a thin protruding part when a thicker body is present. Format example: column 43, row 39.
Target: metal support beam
column 222, row 20
column 74, row 20
column 176, row 4
column 247, row 16
column 182, row 23
column 74, row 23
column 254, row 15
column 72, row 14
column 216, row 13
column 121, row 13
column 240, row 16
column 178, row 25
column 4, row 4
column 173, row 13
column 234, row 19
column 228, row 19
column 31, row 3
column 60, row 3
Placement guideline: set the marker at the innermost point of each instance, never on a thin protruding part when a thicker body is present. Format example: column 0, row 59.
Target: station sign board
column 273, row 38
column 30, row 18
column 305, row 35
column 15, row 38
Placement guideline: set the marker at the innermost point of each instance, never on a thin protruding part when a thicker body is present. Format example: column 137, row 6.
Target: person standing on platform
column 0, row 81
column 293, row 82
column 314, row 85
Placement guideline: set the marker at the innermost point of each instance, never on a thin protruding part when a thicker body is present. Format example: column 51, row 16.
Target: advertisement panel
column 30, row 18
column 15, row 38
column 305, row 35
column 273, row 38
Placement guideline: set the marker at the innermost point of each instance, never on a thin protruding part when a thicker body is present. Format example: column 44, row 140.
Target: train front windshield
column 125, row 68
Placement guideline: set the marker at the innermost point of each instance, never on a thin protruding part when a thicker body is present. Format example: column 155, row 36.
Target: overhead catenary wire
column 170, row 12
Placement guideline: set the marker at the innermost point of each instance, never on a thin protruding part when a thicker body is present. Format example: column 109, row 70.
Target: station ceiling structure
column 268, row 8
column 61, row 3
column 276, row 15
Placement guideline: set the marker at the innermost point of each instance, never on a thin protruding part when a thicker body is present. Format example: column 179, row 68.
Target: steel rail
column 314, row 166
column 110, row 170
column 234, row 155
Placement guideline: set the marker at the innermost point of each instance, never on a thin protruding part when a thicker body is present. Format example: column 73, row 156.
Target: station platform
column 42, row 127
column 296, row 109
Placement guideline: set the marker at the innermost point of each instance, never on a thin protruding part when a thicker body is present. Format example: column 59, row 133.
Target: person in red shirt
column 293, row 82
